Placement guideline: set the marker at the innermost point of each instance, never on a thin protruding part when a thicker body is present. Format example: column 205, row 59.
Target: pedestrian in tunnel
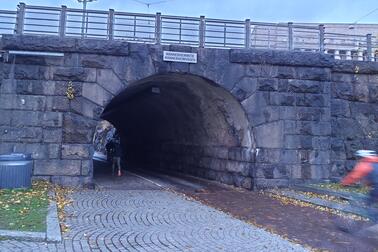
column 367, row 169
column 115, row 150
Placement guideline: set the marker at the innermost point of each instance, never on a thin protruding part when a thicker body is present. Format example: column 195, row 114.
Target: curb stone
column 340, row 194
column 325, row 203
column 52, row 234
column 23, row 235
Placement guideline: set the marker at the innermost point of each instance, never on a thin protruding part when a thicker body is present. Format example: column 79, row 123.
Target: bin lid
column 15, row 157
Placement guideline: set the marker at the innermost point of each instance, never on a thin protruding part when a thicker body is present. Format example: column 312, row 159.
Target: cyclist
column 367, row 169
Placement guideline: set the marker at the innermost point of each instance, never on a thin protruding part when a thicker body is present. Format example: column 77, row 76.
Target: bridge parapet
column 191, row 31
column 47, row 43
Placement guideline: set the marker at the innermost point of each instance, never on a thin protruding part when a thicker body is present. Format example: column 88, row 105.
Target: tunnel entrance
column 180, row 123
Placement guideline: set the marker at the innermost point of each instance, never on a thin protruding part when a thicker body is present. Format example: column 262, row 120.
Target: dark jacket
column 114, row 148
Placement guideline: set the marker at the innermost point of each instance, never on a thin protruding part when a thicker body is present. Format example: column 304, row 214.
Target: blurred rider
column 367, row 169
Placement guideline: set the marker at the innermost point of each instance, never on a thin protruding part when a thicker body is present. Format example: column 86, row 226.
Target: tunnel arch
column 184, row 123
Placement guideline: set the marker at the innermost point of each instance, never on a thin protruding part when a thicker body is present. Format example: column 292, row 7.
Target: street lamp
column 148, row 4
column 352, row 25
column 84, row 14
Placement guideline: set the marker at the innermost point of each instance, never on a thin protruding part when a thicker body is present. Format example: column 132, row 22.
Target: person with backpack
column 114, row 149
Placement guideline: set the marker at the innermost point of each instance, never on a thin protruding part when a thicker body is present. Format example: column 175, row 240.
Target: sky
column 317, row 11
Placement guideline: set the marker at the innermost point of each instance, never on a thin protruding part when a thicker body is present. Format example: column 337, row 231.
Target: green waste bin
column 15, row 170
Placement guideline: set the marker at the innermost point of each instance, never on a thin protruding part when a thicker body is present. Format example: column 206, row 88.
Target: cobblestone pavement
column 152, row 220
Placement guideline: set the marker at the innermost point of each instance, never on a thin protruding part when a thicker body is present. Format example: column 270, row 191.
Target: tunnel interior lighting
column 36, row 53
column 155, row 90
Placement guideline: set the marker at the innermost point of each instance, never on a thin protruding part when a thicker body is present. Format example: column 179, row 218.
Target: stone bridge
column 250, row 118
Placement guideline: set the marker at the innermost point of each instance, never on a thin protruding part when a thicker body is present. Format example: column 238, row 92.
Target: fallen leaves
column 290, row 201
column 325, row 197
column 338, row 187
column 62, row 200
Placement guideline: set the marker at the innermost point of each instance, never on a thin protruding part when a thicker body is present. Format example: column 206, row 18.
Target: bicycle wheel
column 347, row 225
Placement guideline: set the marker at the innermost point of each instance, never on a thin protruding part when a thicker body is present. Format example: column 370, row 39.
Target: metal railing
column 192, row 31
column 7, row 21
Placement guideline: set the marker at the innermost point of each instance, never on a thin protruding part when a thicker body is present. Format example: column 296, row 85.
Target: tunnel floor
column 143, row 179
column 306, row 225
column 151, row 220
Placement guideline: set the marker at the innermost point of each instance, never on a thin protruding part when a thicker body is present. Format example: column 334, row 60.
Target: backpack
column 110, row 148
column 373, row 175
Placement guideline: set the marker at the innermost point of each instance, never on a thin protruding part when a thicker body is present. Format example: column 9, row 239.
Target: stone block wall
column 232, row 166
column 39, row 119
column 290, row 116
column 288, row 107
column 354, row 113
column 307, row 112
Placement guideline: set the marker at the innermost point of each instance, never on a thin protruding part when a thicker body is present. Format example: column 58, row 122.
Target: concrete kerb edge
column 324, row 203
column 340, row 194
column 52, row 234
column 23, row 235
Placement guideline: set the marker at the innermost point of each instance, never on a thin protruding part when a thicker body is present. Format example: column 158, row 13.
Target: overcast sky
column 319, row 11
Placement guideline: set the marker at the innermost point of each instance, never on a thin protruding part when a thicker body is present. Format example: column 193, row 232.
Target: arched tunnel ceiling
column 186, row 110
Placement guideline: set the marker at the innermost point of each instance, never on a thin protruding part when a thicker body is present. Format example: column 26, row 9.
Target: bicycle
column 365, row 230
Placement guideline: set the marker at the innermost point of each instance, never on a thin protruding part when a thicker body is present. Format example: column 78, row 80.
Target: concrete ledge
column 325, row 203
column 343, row 195
column 69, row 45
column 354, row 67
column 23, row 235
column 280, row 57
column 52, row 234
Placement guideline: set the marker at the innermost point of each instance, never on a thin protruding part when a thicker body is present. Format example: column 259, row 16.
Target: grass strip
column 24, row 209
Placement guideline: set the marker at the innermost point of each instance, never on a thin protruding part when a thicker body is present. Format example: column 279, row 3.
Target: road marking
column 153, row 182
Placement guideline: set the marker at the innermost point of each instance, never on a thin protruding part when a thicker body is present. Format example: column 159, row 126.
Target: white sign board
column 180, row 57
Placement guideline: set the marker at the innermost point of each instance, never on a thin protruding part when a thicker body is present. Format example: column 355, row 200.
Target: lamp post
column 148, row 4
column 352, row 25
column 85, row 14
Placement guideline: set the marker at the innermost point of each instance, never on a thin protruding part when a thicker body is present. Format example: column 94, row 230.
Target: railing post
column 368, row 47
column 158, row 28
column 360, row 55
column 62, row 21
column 337, row 55
column 83, row 24
column 111, row 24
column 202, row 30
column 321, row 38
column 20, row 18
column 247, row 42
column 290, row 38
column 348, row 55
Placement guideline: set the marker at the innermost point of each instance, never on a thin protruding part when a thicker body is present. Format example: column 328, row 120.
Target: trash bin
column 15, row 170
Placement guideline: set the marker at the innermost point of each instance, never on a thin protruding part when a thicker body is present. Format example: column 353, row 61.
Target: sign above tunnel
column 180, row 57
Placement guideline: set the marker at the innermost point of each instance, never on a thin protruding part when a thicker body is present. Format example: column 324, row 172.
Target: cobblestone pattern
column 152, row 221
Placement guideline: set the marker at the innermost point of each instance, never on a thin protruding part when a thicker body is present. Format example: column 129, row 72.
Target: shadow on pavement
column 103, row 179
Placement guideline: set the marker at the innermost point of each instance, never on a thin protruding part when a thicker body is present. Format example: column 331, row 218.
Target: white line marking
column 153, row 182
